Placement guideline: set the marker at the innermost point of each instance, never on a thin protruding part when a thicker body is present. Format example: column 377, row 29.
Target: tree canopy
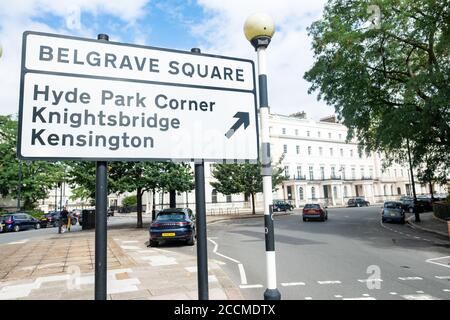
column 388, row 79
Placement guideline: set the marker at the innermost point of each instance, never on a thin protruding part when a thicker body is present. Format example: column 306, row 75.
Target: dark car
column 408, row 204
column 426, row 202
column 315, row 211
column 173, row 224
column 393, row 211
column 280, row 205
column 50, row 219
column 357, row 202
column 19, row 221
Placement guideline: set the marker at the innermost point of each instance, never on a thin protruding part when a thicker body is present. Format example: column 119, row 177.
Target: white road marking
column 308, row 298
column 250, row 286
column 329, row 282
column 370, row 280
column 419, row 297
column 363, row 298
column 410, row 278
column 440, row 264
column 338, row 296
column 130, row 241
column 216, row 246
column 160, row 260
column 366, row 295
column 446, row 290
column 393, row 293
column 19, row 242
column 130, row 247
column 291, row 284
column 242, row 274
column 419, row 291
column 442, row 277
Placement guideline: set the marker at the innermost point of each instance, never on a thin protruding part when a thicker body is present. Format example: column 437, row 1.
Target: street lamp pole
column 19, row 187
column 259, row 29
column 416, row 213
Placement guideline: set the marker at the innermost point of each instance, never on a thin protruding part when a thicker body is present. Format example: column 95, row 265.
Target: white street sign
column 93, row 100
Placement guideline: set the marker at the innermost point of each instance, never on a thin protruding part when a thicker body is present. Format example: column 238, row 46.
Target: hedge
column 441, row 210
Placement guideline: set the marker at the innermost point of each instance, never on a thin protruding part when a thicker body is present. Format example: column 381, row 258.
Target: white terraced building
column 320, row 166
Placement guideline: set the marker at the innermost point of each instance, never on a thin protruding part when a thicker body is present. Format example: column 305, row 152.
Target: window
column 286, row 171
column 283, row 130
column 362, row 172
column 320, row 151
column 351, row 153
column 395, row 173
column 299, row 172
column 335, row 192
column 322, row 173
column 296, row 132
column 228, row 198
column 385, row 190
column 297, row 148
column 318, row 134
column 329, row 135
column 333, row 172
column 370, row 173
column 392, row 190
column 309, row 150
column 301, row 194
column 285, row 148
column 342, row 152
column 331, row 152
column 343, row 172
column 214, row 196
column 311, row 173
column 340, row 136
column 353, row 173
column 345, row 191
column 270, row 129
column 401, row 172
column 307, row 133
column 313, row 193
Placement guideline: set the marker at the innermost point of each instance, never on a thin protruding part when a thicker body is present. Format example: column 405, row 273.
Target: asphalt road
column 350, row 256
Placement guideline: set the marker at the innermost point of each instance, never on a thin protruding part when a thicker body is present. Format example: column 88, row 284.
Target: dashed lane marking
column 442, row 277
column 393, row 293
column 308, row 298
column 360, row 298
column 329, row 282
column 410, row 278
column 419, row 297
column 439, row 263
column 420, row 291
column 250, row 286
column 370, row 280
column 291, row 284
column 338, row 296
column 446, row 290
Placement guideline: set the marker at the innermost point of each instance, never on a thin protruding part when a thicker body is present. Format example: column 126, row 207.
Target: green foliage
column 36, row 178
column 243, row 178
column 390, row 82
column 129, row 201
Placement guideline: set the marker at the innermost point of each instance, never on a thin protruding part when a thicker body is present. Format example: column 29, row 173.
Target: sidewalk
column 62, row 267
column 428, row 222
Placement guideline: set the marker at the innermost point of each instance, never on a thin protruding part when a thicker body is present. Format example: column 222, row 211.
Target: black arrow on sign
column 243, row 119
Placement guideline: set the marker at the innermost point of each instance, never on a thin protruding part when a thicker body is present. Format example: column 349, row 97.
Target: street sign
column 93, row 100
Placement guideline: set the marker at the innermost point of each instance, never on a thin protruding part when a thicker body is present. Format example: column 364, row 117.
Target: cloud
column 289, row 55
column 56, row 17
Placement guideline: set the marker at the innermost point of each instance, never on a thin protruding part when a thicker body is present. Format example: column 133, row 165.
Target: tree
column 244, row 178
column 176, row 177
column 388, row 81
column 135, row 177
column 33, row 179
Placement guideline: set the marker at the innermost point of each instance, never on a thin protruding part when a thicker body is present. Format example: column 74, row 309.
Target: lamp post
column 259, row 29
column 416, row 213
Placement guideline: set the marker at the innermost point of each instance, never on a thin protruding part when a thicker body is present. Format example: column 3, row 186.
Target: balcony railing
column 329, row 178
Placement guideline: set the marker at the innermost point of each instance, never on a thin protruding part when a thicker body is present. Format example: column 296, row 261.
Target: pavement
column 430, row 223
column 61, row 266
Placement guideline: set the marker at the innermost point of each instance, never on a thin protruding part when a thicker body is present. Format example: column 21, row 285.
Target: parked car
column 19, row 221
column 408, row 204
column 50, row 219
column 426, row 201
column 173, row 224
column 357, row 202
column 2, row 227
column 315, row 211
column 110, row 212
column 280, row 205
column 393, row 211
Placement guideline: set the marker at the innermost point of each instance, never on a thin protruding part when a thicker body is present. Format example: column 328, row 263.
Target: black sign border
column 24, row 71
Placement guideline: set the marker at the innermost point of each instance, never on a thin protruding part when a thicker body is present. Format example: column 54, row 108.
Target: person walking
column 63, row 219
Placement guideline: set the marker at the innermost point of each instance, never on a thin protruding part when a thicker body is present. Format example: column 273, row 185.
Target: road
column 351, row 256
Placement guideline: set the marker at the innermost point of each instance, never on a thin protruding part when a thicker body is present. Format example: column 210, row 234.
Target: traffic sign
column 85, row 99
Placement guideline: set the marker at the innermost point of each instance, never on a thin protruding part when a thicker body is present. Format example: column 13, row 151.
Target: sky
column 215, row 26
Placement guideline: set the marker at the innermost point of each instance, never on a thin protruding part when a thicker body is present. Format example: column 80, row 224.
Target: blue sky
column 215, row 26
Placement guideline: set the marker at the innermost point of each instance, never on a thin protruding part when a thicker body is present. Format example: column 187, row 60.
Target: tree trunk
column 173, row 198
column 139, row 207
column 153, row 205
column 431, row 190
column 253, row 203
